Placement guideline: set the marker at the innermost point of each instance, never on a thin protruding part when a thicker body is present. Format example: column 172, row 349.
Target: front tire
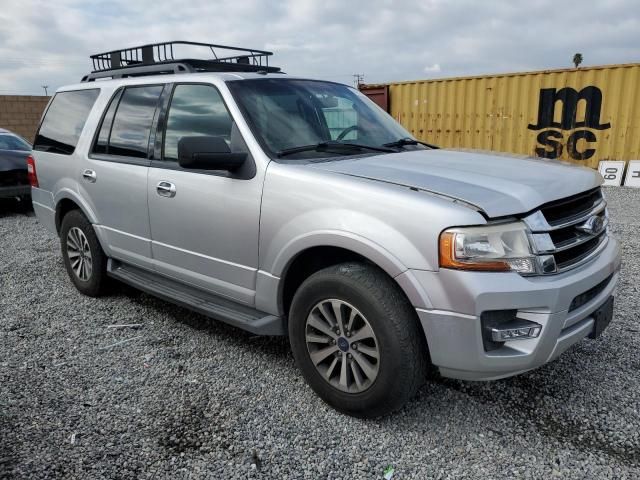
column 356, row 339
column 83, row 257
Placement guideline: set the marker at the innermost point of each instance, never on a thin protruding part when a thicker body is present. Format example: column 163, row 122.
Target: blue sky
column 49, row 42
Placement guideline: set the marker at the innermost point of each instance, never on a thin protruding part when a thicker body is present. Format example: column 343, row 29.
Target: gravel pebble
column 191, row 398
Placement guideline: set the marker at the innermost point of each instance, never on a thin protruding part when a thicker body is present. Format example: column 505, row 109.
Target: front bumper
column 15, row 191
column 457, row 298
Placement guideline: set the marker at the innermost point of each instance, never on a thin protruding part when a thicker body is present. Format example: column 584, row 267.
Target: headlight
column 495, row 248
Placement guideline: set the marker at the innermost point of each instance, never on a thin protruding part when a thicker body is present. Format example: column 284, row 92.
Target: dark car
column 14, row 151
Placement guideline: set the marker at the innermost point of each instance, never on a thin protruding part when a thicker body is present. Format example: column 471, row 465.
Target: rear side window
column 64, row 121
column 130, row 129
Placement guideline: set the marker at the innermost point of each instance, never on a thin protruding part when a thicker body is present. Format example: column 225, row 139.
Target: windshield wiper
column 326, row 146
column 408, row 141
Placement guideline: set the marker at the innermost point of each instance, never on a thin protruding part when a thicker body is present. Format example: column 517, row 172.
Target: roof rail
column 159, row 58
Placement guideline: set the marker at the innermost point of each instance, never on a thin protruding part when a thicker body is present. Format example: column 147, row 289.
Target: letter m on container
column 550, row 138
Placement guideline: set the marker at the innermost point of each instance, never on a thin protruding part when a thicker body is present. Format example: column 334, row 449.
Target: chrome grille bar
column 570, row 241
column 604, row 240
column 543, row 243
column 538, row 223
column 579, row 240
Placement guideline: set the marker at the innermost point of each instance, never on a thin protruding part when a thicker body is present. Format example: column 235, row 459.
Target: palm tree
column 577, row 59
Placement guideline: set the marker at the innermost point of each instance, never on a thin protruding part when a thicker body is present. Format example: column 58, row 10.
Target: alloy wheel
column 342, row 345
column 79, row 254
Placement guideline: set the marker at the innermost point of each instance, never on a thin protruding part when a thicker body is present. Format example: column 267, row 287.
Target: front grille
column 589, row 295
column 12, row 178
column 566, row 258
column 571, row 230
column 571, row 207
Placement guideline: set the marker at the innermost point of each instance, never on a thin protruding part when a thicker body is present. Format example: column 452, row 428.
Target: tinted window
column 196, row 110
column 102, row 141
column 11, row 142
column 64, row 121
column 132, row 123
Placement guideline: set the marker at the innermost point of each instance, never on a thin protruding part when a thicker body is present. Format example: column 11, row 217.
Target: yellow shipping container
column 581, row 115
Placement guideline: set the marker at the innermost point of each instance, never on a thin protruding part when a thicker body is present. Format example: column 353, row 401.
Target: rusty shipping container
column 581, row 115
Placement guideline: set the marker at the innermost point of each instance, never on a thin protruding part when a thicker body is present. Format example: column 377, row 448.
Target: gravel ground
column 186, row 397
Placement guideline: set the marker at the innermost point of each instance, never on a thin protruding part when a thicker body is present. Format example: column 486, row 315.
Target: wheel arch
column 68, row 200
column 328, row 250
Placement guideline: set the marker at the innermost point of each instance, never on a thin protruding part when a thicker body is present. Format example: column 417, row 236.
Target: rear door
column 114, row 176
column 204, row 224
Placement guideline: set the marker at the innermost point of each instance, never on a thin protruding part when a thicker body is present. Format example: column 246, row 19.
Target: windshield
column 13, row 142
column 286, row 114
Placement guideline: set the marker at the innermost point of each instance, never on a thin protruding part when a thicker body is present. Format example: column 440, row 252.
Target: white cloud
column 44, row 42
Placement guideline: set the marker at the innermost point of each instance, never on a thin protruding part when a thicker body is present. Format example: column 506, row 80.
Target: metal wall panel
column 378, row 93
column 581, row 115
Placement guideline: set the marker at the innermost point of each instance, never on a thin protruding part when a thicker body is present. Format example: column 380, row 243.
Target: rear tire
column 383, row 325
column 83, row 257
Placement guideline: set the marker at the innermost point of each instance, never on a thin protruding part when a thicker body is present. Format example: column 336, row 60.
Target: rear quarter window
column 64, row 120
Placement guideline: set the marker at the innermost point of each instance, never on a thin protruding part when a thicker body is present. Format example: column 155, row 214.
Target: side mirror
column 208, row 153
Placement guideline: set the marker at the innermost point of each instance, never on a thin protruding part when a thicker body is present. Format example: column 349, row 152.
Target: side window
column 64, row 120
column 195, row 110
column 102, row 142
column 132, row 121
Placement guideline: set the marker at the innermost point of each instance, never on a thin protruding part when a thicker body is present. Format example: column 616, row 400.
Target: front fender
column 359, row 232
column 392, row 226
column 269, row 285
column 373, row 241
column 341, row 239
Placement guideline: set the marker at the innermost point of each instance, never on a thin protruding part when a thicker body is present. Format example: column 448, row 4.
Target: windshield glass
column 12, row 142
column 287, row 113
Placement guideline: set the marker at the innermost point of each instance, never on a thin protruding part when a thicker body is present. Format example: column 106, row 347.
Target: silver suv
column 287, row 206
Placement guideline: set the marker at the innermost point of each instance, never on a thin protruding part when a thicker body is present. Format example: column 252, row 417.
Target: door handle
column 89, row 176
column 166, row 189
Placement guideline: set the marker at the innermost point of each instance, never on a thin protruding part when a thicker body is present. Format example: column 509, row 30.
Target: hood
column 13, row 160
column 497, row 184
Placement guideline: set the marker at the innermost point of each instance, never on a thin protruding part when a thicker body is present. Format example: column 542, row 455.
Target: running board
column 206, row 303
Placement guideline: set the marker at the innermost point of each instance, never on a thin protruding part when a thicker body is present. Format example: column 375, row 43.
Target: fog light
column 515, row 330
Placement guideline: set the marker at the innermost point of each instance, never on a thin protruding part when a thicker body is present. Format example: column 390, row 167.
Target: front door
column 113, row 177
column 204, row 224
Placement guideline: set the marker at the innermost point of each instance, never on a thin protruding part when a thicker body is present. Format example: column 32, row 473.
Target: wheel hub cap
column 342, row 345
column 79, row 254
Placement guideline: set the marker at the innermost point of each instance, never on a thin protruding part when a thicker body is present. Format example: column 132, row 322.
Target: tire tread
column 98, row 284
column 396, row 309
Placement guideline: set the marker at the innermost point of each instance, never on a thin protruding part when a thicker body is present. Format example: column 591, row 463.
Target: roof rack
column 159, row 58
